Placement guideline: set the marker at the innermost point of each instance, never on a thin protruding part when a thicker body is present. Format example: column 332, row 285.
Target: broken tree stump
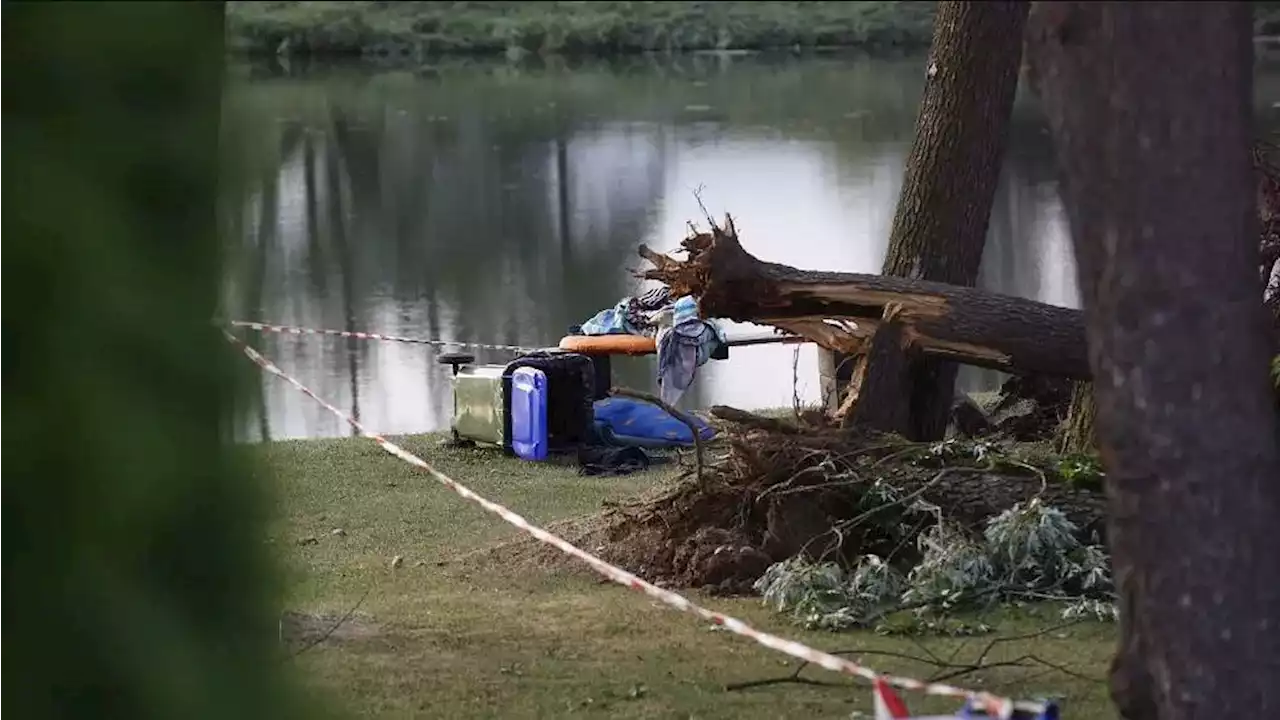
column 884, row 380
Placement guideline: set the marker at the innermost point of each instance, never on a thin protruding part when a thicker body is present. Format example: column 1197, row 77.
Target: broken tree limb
column 967, row 325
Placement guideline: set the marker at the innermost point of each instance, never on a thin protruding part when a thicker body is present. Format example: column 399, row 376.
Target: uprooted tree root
column 822, row 494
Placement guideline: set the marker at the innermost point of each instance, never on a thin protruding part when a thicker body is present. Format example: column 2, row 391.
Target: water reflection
column 489, row 204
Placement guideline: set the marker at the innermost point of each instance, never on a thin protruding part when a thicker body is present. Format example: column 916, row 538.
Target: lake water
column 493, row 204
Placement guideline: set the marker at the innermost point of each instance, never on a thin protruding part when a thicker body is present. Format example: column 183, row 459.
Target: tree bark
column 1150, row 106
column 952, row 172
column 1078, row 434
column 941, row 321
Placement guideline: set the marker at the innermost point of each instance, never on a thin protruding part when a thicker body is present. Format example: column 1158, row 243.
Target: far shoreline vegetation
column 420, row 30
column 518, row 29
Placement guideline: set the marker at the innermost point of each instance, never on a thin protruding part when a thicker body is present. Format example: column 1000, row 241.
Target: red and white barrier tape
column 996, row 706
column 292, row 330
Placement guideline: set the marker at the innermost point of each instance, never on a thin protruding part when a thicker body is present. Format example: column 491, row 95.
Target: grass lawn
column 447, row 634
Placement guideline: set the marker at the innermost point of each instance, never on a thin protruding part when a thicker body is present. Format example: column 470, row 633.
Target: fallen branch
column 840, row 311
column 677, row 414
column 906, row 499
column 751, row 420
column 945, row 669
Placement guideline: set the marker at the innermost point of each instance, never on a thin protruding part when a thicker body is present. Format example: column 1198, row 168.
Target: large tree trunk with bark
column 952, row 173
column 1150, row 106
column 1078, row 434
column 843, row 311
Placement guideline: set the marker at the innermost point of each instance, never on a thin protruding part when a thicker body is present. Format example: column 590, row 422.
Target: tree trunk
column 952, row 173
column 1078, row 433
column 1150, row 105
column 947, row 322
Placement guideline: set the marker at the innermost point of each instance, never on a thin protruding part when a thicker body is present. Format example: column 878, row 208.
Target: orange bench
column 605, row 345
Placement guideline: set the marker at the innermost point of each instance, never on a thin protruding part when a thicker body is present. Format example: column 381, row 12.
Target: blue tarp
column 626, row 421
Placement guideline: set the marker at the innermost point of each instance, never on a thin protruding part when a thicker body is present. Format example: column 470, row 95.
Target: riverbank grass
column 447, row 631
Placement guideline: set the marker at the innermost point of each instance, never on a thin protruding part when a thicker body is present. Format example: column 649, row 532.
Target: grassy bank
column 452, row 633
column 420, row 29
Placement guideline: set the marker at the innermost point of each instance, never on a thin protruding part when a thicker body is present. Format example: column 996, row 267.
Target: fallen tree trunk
column 841, row 311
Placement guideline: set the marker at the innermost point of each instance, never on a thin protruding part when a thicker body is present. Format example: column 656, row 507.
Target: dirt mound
column 826, row 494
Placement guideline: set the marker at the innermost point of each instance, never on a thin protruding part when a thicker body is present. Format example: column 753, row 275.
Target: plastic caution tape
column 292, row 330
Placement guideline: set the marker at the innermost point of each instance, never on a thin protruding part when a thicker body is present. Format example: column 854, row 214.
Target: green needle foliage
column 137, row 584
column 1028, row 552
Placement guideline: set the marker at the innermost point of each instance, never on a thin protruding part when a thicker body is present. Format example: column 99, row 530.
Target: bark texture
column 1150, row 106
column 952, row 172
column 1078, row 430
column 840, row 311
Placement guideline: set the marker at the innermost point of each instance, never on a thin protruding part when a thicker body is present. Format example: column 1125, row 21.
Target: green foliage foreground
column 938, row 566
column 1028, row 553
column 135, row 575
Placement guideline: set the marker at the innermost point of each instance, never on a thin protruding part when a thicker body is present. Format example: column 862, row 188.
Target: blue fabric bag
column 636, row 423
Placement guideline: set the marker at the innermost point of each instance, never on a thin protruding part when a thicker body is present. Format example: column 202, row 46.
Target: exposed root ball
column 825, row 494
